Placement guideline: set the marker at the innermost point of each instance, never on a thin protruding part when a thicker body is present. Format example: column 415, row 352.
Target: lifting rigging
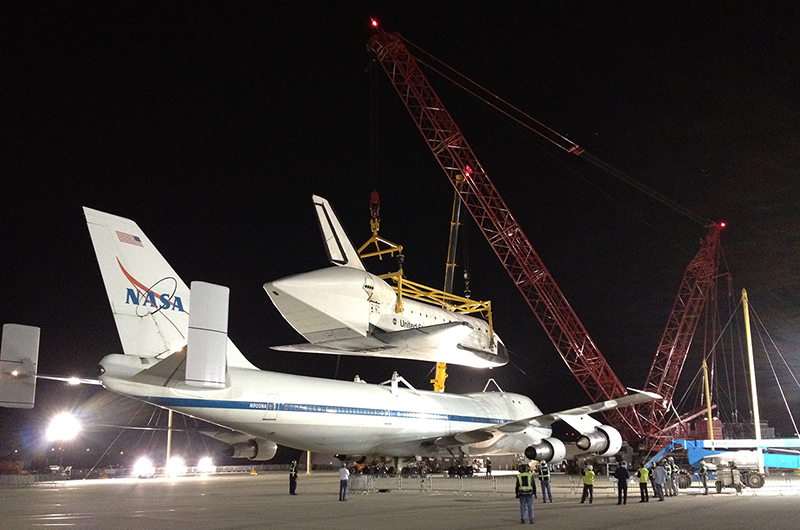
column 408, row 289
column 493, row 217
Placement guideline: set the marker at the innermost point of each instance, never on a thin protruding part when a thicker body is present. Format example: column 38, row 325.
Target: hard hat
column 589, row 467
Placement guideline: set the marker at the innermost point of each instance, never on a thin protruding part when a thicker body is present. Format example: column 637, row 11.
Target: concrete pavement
column 262, row 501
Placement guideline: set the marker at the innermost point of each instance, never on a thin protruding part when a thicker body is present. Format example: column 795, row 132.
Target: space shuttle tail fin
column 341, row 251
column 19, row 356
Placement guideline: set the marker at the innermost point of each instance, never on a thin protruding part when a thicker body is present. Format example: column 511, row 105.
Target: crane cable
column 537, row 127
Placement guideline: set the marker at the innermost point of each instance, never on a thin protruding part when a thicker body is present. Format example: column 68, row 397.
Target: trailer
column 747, row 459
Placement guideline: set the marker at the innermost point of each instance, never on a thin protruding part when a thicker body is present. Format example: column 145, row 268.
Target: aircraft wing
column 578, row 418
column 431, row 343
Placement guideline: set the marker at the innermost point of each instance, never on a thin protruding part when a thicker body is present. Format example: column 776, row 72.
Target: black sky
column 212, row 124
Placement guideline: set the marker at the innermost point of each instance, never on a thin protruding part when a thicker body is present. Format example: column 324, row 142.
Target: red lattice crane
column 504, row 234
column 695, row 288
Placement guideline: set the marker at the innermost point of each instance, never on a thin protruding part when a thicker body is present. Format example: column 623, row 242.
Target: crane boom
column 496, row 222
column 677, row 337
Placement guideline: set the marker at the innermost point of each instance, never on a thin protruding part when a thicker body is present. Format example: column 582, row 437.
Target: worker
column 659, row 479
column 652, row 471
column 588, row 484
column 488, row 467
column 293, row 478
column 676, row 471
column 643, row 475
column 668, row 481
column 344, row 475
column 704, row 476
column 524, row 492
column 622, row 475
column 544, row 479
column 671, row 468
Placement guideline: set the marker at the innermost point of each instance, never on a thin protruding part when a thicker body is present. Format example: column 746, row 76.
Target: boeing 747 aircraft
column 177, row 355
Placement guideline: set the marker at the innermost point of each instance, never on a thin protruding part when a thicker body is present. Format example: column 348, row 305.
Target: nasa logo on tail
column 149, row 298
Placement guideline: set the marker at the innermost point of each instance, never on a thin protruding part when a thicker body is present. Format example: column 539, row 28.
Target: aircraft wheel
column 684, row 481
column 718, row 485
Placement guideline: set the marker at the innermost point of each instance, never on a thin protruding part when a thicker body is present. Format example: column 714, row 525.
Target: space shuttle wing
column 428, row 337
column 578, row 418
column 432, row 337
column 429, row 343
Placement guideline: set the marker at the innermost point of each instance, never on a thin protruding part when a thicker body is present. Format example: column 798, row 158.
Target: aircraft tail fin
column 341, row 251
column 19, row 356
column 149, row 300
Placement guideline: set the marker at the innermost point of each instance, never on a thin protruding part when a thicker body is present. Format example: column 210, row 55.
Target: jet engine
column 547, row 450
column 257, row 449
column 604, row 440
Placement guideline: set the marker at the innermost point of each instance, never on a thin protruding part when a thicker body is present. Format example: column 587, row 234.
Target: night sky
column 211, row 125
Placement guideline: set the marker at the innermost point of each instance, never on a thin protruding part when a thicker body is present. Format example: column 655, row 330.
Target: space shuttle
column 177, row 355
column 345, row 310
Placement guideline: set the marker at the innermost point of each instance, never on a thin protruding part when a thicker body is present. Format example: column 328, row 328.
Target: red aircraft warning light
column 373, row 22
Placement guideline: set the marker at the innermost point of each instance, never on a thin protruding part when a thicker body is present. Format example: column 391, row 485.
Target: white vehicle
column 178, row 356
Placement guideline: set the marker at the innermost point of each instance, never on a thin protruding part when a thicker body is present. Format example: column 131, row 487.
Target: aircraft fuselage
column 341, row 417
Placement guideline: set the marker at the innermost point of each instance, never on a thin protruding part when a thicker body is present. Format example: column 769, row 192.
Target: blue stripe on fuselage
column 314, row 409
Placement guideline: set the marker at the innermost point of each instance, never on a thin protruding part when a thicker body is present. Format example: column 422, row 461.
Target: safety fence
column 561, row 486
column 23, row 480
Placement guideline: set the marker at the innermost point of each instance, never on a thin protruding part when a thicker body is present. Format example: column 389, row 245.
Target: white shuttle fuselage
column 345, row 310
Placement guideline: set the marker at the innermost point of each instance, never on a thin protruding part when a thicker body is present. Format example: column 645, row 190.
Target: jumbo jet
column 177, row 355
column 346, row 310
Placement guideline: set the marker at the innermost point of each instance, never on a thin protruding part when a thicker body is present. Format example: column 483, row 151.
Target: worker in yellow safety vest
column 544, row 480
column 524, row 491
column 588, row 484
column 643, row 475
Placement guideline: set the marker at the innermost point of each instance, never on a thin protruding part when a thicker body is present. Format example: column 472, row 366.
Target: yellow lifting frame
column 448, row 301
column 403, row 287
column 375, row 225
column 379, row 252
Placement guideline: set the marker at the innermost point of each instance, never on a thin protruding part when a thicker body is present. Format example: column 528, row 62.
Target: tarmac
column 262, row 501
